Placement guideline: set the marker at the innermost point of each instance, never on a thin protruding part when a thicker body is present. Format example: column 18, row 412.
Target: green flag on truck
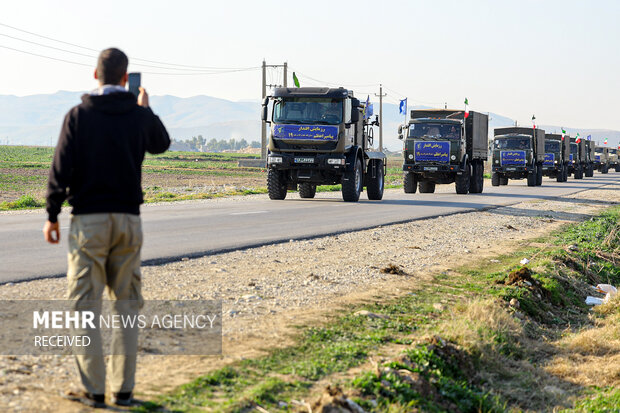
column 295, row 80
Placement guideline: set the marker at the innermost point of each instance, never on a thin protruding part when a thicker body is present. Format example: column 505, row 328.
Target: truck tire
column 618, row 168
column 462, row 182
column 604, row 169
column 352, row 183
column 560, row 174
column 503, row 181
column 579, row 173
column 539, row 175
column 307, row 190
column 589, row 171
column 374, row 187
column 410, row 182
column 427, row 187
column 476, row 184
column 495, row 179
column 276, row 184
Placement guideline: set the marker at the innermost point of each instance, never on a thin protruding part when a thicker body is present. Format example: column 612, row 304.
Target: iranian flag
column 578, row 138
column 605, row 143
column 466, row 108
column 563, row 133
column 534, row 121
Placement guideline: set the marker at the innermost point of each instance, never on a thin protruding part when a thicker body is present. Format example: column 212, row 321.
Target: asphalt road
column 195, row 229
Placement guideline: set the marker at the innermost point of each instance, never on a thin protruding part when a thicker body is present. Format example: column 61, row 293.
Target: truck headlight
column 453, row 157
column 335, row 161
column 555, row 162
column 274, row 159
column 410, row 156
column 497, row 161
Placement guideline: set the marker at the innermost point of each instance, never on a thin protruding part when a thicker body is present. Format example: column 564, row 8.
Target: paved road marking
column 249, row 212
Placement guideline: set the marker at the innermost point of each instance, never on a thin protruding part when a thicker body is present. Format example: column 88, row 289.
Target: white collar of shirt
column 107, row 89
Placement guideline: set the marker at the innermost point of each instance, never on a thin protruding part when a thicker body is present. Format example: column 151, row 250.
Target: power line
column 95, row 57
column 332, row 83
column 133, row 58
column 46, row 57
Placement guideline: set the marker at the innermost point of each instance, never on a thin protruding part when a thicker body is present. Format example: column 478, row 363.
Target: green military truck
column 601, row 159
column 577, row 159
column 518, row 153
column 442, row 146
column 590, row 159
column 557, row 152
column 320, row 136
column 614, row 162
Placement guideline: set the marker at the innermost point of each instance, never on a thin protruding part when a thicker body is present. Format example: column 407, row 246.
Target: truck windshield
column 552, row 146
column 303, row 110
column 435, row 130
column 573, row 148
column 512, row 143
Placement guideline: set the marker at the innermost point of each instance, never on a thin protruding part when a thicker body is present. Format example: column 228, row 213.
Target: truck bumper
column 412, row 167
column 313, row 168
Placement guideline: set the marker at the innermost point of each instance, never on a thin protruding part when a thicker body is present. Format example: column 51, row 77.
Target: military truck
column 442, row 146
column 614, row 162
column 557, row 151
column 579, row 154
column 518, row 153
column 601, row 159
column 320, row 136
column 590, row 159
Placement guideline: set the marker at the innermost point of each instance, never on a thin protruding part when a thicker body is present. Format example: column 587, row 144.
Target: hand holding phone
column 134, row 83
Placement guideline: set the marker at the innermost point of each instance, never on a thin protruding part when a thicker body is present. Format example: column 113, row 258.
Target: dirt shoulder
column 267, row 291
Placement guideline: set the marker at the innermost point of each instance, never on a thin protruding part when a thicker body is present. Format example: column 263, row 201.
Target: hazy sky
column 557, row 59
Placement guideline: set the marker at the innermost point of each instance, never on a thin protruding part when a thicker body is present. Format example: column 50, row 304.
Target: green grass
column 445, row 372
column 24, row 202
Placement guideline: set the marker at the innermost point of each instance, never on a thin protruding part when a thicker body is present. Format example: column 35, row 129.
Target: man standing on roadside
column 97, row 168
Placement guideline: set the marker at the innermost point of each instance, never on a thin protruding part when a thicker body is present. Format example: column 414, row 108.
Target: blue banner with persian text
column 597, row 158
column 306, row 132
column 570, row 157
column 432, row 151
column 513, row 158
column 549, row 159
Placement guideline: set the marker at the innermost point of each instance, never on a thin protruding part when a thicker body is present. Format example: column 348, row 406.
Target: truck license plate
column 430, row 168
column 511, row 169
column 304, row 160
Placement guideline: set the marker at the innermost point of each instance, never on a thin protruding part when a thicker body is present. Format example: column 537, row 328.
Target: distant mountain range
column 36, row 119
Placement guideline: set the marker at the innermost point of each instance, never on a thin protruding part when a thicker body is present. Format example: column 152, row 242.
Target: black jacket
column 98, row 160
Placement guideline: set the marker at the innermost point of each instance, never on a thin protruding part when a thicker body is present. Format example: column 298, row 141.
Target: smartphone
column 134, row 83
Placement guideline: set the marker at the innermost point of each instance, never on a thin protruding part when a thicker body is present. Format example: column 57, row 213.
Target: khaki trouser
column 104, row 251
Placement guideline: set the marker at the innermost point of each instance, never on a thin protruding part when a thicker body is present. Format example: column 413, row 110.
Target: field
column 167, row 177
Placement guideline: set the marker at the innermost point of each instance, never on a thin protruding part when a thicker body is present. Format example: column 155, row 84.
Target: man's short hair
column 111, row 66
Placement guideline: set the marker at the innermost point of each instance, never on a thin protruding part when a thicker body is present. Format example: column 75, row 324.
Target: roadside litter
column 607, row 289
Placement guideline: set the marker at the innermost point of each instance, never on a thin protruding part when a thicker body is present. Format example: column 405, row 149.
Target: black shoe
column 96, row 401
column 125, row 399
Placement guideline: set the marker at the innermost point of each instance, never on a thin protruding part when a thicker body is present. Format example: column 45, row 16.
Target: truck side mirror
column 355, row 115
column 264, row 113
column 400, row 130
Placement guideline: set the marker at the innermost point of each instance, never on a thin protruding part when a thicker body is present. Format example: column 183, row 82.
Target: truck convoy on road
column 557, row 153
column 590, row 156
column 320, row 136
column 601, row 159
column 518, row 153
column 442, row 146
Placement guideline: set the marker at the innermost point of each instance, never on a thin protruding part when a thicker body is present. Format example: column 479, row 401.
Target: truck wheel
column 276, row 184
column 307, row 190
column 495, row 179
column 579, row 173
column 539, row 175
column 352, row 183
column 476, row 184
column 463, row 181
column 503, row 181
column 560, row 175
column 565, row 173
column 618, row 168
column 605, row 169
column 374, row 187
column 410, row 182
column 427, row 187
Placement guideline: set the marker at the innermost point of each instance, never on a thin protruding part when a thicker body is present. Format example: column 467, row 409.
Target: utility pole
column 381, row 95
column 263, row 135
